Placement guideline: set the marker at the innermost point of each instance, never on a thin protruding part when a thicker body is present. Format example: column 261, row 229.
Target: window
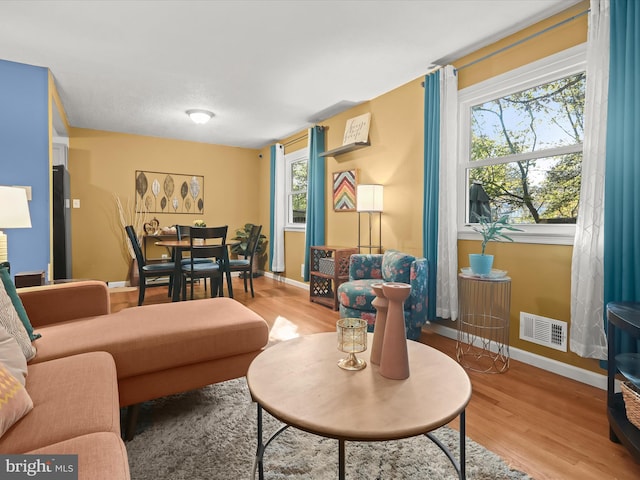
column 521, row 145
column 296, row 178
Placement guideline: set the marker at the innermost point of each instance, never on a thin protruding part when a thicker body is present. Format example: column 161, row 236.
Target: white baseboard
column 117, row 284
column 569, row 371
column 288, row 281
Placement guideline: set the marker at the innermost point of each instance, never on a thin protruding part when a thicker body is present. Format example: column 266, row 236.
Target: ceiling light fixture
column 200, row 116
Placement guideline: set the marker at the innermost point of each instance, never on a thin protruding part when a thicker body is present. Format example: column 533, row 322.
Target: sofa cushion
column 15, row 402
column 11, row 322
column 101, row 456
column 154, row 338
column 396, row 266
column 11, row 356
column 10, row 287
column 71, row 396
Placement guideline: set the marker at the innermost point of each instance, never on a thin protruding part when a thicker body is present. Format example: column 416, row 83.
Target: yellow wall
column 102, row 164
column 541, row 274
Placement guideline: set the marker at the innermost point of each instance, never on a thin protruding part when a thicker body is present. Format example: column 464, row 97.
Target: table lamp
column 369, row 199
column 14, row 213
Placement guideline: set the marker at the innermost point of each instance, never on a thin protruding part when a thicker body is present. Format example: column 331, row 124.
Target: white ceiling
column 267, row 69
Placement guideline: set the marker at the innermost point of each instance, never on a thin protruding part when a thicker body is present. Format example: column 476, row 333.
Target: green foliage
column 492, row 230
column 540, row 189
column 242, row 235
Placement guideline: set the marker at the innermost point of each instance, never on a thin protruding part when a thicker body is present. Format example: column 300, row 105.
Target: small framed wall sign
column 344, row 190
column 357, row 129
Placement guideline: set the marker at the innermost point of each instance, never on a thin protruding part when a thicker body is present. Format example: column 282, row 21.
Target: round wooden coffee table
column 299, row 383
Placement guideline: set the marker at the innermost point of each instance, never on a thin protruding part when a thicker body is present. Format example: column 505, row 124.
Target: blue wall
column 24, row 158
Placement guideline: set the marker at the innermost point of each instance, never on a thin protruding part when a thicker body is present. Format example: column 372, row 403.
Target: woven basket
column 327, row 266
column 631, row 396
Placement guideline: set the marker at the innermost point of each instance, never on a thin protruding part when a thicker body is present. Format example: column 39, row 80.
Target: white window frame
column 563, row 64
column 290, row 158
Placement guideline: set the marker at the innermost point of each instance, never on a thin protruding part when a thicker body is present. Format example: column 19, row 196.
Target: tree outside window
column 526, row 152
column 297, row 191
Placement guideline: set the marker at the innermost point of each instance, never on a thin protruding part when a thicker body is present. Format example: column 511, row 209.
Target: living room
column 103, row 164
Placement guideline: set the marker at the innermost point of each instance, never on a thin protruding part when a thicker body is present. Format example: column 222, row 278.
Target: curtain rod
column 295, row 140
column 514, row 44
column 533, row 35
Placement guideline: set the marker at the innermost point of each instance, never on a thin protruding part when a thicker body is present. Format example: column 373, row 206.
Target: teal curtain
column 622, row 177
column 431, row 176
column 315, row 195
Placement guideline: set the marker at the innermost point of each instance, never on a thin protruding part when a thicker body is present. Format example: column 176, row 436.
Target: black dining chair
column 151, row 270
column 245, row 265
column 207, row 243
column 183, row 232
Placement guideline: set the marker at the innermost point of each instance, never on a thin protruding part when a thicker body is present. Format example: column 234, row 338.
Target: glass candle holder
column 352, row 339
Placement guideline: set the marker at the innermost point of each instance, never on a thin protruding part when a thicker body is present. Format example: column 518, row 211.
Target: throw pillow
column 11, row 322
column 11, row 356
column 16, row 401
column 396, row 266
column 17, row 303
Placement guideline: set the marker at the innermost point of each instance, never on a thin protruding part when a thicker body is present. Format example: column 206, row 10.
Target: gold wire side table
column 483, row 324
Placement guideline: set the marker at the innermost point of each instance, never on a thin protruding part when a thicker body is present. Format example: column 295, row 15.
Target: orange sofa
column 90, row 362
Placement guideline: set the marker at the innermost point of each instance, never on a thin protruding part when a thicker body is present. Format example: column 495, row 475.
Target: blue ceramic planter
column 480, row 264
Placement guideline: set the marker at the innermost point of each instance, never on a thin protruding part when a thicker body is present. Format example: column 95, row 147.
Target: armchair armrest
column 419, row 298
column 65, row 301
column 363, row 266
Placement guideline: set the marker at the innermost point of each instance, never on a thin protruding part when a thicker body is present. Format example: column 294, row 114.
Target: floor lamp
column 14, row 213
column 369, row 200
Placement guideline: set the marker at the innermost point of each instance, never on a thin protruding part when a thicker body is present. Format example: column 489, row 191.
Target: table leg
column 463, row 447
column 177, row 275
column 341, row 460
column 259, row 449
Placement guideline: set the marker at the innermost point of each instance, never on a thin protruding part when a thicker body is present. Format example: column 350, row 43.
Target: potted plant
column 242, row 236
column 491, row 231
column 199, row 223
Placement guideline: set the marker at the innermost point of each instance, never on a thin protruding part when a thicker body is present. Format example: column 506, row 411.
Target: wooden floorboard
column 541, row 423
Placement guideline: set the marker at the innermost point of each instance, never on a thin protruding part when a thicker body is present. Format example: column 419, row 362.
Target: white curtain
column 447, row 272
column 587, row 335
column 279, row 210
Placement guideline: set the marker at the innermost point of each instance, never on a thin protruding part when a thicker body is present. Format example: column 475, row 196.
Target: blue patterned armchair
column 356, row 295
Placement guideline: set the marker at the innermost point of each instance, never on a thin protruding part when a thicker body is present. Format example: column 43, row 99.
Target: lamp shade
column 14, row 208
column 369, row 198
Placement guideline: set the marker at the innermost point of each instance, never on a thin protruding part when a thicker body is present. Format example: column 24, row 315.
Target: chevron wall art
column 344, row 190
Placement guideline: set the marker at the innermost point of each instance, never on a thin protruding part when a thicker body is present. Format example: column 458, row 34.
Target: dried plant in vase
column 129, row 216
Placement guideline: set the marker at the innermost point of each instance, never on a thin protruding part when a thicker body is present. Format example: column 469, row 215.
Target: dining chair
column 245, row 265
column 207, row 243
column 151, row 270
column 183, row 232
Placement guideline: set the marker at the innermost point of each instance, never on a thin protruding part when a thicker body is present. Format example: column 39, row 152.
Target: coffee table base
column 258, row 464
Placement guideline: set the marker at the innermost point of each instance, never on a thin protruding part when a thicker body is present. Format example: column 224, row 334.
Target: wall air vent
column 543, row 331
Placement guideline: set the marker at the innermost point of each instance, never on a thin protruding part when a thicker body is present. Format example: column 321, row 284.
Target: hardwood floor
column 541, row 423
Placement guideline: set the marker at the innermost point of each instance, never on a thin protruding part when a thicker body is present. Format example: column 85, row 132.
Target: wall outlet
column 302, row 270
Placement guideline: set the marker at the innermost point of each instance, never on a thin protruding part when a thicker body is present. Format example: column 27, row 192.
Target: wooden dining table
column 178, row 246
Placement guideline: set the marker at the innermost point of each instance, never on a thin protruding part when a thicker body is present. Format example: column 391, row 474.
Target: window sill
column 538, row 234
column 295, row 228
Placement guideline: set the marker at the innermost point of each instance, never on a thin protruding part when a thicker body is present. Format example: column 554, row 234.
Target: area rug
column 211, row 434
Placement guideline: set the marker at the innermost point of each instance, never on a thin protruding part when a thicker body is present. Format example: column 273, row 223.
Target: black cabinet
column 624, row 316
